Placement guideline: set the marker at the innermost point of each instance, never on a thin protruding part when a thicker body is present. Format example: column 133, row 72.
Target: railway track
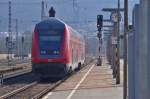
column 9, row 95
column 15, row 61
column 17, row 82
column 34, row 90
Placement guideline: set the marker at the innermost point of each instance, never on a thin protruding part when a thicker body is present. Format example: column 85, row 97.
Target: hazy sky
column 28, row 12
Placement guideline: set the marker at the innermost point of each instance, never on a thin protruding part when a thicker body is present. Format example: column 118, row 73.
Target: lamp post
column 118, row 45
column 125, row 49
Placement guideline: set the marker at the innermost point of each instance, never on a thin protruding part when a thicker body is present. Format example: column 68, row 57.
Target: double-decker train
column 57, row 49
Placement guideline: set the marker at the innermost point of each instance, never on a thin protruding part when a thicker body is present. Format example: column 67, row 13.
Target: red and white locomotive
column 56, row 48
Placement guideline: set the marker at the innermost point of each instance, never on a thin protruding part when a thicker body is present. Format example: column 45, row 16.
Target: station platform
column 92, row 82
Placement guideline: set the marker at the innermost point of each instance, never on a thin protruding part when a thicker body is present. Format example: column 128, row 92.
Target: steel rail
column 8, row 95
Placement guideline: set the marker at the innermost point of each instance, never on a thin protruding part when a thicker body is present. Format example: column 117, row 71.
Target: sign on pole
column 114, row 40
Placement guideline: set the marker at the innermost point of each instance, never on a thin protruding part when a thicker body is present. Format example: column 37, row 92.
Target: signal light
column 22, row 39
column 7, row 39
column 99, row 21
column 99, row 35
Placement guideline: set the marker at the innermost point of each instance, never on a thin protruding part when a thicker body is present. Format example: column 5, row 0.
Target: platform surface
column 93, row 82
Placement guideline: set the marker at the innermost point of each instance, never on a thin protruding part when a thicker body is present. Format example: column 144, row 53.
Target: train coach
column 57, row 49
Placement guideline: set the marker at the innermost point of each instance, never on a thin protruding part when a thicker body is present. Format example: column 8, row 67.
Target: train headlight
column 56, row 52
column 43, row 52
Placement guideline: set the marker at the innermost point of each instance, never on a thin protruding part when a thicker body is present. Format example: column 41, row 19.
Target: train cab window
column 51, row 38
column 50, row 42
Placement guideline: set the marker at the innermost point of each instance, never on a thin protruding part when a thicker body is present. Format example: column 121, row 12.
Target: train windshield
column 50, row 42
column 50, row 38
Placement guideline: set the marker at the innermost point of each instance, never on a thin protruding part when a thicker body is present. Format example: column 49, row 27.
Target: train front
column 48, row 46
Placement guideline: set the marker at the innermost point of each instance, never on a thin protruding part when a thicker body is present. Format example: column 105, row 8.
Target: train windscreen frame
column 50, row 43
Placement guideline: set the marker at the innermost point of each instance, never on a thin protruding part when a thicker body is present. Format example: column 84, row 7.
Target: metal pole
column 22, row 40
column 118, row 45
column 75, row 13
column 10, row 35
column 125, row 49
column 114, row 52
column 17, row 46
column 42, row 10
column 99, row 62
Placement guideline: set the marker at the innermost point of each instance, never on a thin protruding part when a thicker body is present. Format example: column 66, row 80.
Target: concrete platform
column 93, row 82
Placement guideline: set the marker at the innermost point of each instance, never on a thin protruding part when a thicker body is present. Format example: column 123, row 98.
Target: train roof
column 51, row 23
column 56, row 24
column 75, row 33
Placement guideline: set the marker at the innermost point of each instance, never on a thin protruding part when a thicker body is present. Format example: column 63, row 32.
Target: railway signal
column 99, row 22
column 22, row 39
column 99, row 35
column 8, row 43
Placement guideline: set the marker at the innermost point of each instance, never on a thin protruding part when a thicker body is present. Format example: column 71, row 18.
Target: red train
column 57, row 49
